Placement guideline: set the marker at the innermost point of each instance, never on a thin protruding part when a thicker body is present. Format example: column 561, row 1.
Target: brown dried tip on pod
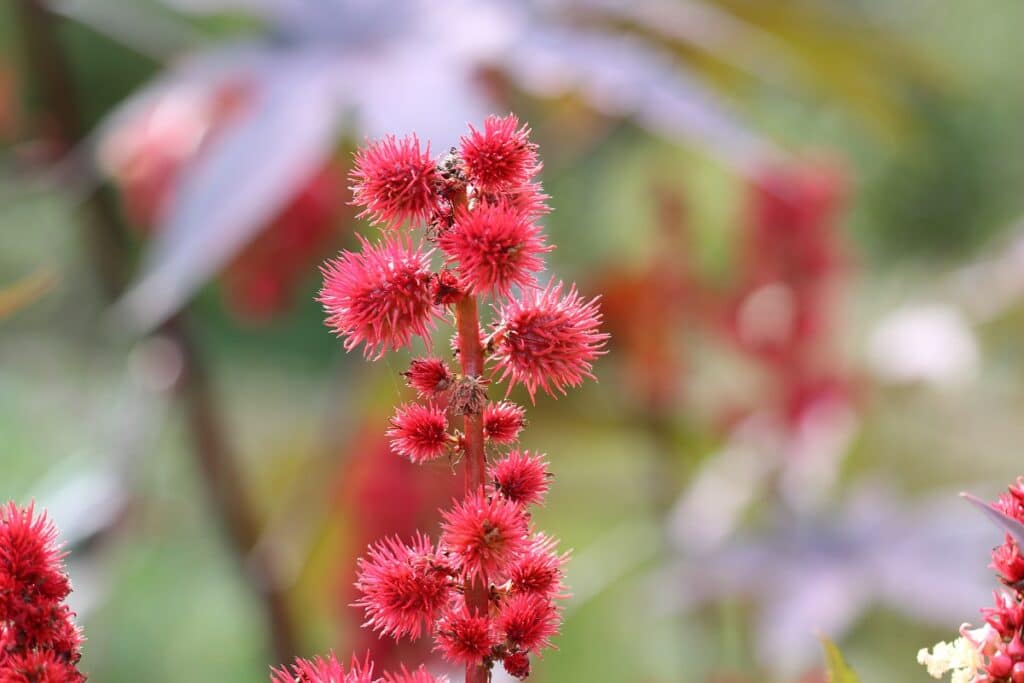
column 468, row 396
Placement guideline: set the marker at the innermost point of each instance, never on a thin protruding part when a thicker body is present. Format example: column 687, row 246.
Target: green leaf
column 838, row 670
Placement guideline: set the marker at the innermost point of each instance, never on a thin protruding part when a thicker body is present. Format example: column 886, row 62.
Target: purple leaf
column 621, row 76
column 248, row 174
column 1001, row 519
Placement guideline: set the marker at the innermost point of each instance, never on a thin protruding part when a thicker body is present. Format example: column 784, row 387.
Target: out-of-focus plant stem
column 471, row 356
column 108, row 250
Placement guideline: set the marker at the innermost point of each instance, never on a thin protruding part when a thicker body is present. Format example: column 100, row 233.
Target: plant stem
column 471, row 356
column 109, row 252
column 224, row 486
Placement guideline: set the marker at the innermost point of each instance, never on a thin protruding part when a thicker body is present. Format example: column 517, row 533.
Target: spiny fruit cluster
column 487, row 590
column 39, row 641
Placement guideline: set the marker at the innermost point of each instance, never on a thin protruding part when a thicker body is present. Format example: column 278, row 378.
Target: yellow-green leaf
column 23, row 292
column 838, row 670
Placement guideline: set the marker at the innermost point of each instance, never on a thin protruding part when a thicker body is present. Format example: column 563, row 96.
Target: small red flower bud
column 324, row 670
column 521, row 477
column 1016, row 647
column 501, row 157
column 464, row 638
column 394, row 180
column 1008, row 561
column 528, row 621
column 539, row 569
column 379, row 297
column 1000, row 665
column 428, row 376
column 496, row 247
column 420, row 675
column 484, row 534
column 1017, row 674
column 503, row 421
column 548, row 341
column 445, row 288
column 517, row 665
column 403, row 587
column 419, row 432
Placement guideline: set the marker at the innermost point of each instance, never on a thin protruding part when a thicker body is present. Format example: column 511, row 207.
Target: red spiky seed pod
column 419, row 432
column 521, row 477
column 527, row 621
column 394, row 180
column 538, row 570
column 503, row 422
column 484, row 534
column 324, row 670
column 38, row 666
column 38, row 638
column 429, row 377
column 380, row 296
column 31, row 571
column 464, row 638
column 500, row 157
column 496, row 247
column 420, row 675
column 544, row 340
column 517, row 665
column 402, row 587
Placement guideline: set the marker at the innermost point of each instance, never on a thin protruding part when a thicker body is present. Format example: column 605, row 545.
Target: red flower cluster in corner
column 487, row 591
column 39, row 642
column 993, row 653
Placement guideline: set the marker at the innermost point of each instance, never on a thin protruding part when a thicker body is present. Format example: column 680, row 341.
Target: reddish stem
column 471, row 356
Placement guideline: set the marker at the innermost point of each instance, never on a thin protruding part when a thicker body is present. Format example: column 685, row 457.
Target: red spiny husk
column 463, row 637
column 380, row 296
column 517, row 665
column 429, row 377
column 500, row 157
column 403, row 587
column 39, row 639
column 419, row 675
column 548, row 341
column 496, row 247
column 503, row 422
column 394, row 180
column 324, row 670
column 38, row 666
column 538, row 569
column 521, row 477
column 528, row 621
column 419, row 432
column 484, row 534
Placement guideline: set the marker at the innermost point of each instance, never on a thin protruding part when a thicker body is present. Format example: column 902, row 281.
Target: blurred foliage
column 838, row 670
column 940, row 175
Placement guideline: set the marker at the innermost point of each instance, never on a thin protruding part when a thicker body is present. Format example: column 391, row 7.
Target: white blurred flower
column 961, row 657
column 931, row 343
